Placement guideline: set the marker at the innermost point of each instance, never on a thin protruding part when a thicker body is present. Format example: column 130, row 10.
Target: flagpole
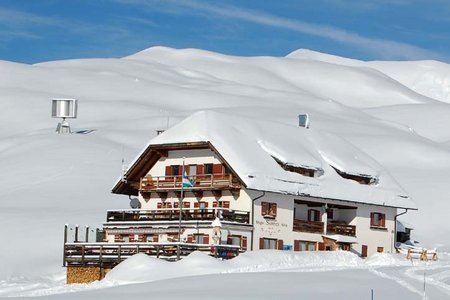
column 180, row 202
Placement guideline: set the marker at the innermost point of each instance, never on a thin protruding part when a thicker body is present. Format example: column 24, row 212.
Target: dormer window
column 296, row 169
column 362, row 179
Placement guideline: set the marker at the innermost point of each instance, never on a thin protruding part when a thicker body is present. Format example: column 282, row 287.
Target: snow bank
column 141, row 268
column 387, row 259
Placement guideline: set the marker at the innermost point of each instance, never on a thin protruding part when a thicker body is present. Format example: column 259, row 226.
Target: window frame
column 269, row 209
column 377, row 220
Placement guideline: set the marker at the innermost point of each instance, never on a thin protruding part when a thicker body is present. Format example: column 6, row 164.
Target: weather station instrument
column 65, row 109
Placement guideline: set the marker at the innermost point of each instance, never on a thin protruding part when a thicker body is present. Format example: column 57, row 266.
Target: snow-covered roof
column 253, row 146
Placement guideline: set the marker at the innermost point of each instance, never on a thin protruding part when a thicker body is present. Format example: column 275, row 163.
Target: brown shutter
column 206, row 239
column 229, row 240
column 196, row 205
column 200, row 170
column 364, row 251
column 372, row 219
column 215, row 204
column 190, row 238
column 296, row 245
column 180, row 170
column 131, row 238
column 175, row 204
column 186, row 204
column 159, row 205
column 168, row 170
column 206, row 204
column 155, row 238
column 244, row 243
column 264, row 208
column 226, row 204
column 382, row 221
column 261, row 243
column 217, row 169
column 321, row 246
column 273, row 209
column 169, row 205
column 280, row 244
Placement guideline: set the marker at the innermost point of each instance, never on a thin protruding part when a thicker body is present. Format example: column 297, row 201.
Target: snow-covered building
column 272, row 185
column 230, row 184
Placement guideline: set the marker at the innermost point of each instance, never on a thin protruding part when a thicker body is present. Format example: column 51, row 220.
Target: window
column 304, row 245
column 208, row 168
column 377, row 220
column 266, row 243
column 223, row 204
column 268, row 209
column 330, row 213
column 380, row 249
column 191, row 170
column 237, row 240
column 313, row 215
column 200, row 238
column 296, row 169
column 175, row 170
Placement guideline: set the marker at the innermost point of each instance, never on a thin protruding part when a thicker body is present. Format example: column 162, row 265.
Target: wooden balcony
column 200, row 182
column 170, row 214
column 341, row 228
column 308, row 226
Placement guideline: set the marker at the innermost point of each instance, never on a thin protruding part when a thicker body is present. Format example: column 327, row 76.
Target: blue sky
column 40, row 30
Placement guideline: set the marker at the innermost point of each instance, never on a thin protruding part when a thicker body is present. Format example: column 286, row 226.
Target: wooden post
column 64, row 248
column 178, row 252
column 100, row 257
column 119, row 253
column 87, row 234
column 76, row 233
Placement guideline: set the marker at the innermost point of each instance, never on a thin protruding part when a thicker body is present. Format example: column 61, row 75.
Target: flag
column 186, row 182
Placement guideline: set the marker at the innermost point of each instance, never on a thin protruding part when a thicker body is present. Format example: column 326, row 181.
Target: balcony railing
column 111, row 254
column 308, row 226
column 199, row 182
column 344, row 229
column 172, row 214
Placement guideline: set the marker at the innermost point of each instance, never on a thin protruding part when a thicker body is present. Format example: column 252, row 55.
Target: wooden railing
column 172, row 214
column 204, row 181
column 343, row 229
column 308, row 226
column 111, row 254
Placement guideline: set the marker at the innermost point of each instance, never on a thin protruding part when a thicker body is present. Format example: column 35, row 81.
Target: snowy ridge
column 48, row 180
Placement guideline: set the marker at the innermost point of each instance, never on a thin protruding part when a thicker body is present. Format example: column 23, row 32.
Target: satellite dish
column 135, row 203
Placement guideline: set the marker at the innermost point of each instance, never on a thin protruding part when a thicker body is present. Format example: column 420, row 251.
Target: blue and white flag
column 186, row 182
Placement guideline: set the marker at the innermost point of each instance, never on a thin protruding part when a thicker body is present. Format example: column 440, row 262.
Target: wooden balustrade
column 344, row 229
column 187, row 214
column 111, row 254
column 204, row 181
column 308, row 226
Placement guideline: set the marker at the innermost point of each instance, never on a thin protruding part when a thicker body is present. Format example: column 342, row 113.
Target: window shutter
column 217, row 169
column 159, row 205
column 200, row 170
column 244, row 243
column 296, row 245
column 206, row 239
column 186, row 204
column 280, row 244
column 229, row 240
column 175, row 204
column 190, row 238
column 261, row 243
column 180, row 170
column 364, row 251
column 273, row 209
column 321, row 246
column 196, row 205
column 382, row 220
column 215, row 204
column 169, row 205
column 264, row 208
column 155, row 238
column 226, row 204
column 168, row 170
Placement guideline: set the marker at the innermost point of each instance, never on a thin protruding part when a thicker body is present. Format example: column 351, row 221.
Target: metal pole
column 371, row 294
column 64, row 248
column 180, row 202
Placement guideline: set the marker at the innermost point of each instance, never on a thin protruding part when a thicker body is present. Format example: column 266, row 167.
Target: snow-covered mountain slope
column 47, row 180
